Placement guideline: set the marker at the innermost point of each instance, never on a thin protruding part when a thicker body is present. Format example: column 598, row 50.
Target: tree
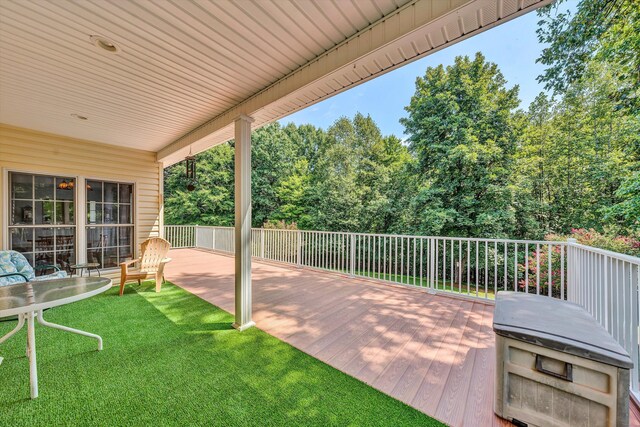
column 627, row 210
column 293, row 194
column 212, row 201
column 273, row 156
column 602, row 30
column 461, row 129
column 576, row 152
column 335, row 193
column 533, row 171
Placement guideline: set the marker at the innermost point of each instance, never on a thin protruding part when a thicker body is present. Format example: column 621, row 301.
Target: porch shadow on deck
column 434, row 353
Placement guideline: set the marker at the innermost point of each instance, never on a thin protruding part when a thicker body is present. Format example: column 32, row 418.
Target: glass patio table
column 28, row 300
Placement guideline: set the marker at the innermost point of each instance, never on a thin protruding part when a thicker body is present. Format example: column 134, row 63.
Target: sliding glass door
column 109, row 222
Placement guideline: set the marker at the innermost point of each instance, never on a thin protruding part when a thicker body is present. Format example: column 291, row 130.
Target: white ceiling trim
column 413, row 31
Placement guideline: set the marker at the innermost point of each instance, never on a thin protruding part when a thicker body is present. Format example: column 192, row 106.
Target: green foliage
column 602, row 30
column 212, row 201
column 576, row 153
column 627, row 210
column 292, row 193
column 356, row 177
column 461, row 129
column 280, row 225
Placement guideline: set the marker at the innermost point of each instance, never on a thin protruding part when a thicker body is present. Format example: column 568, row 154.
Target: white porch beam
column 408, row 33
column 243, row 222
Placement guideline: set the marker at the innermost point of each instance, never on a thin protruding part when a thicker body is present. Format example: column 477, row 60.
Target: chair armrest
column 165, row 260
column 26, row 279
column 128, row 263
column 124, row 266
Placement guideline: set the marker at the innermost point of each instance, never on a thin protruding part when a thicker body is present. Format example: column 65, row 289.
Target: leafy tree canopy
column 603, row 30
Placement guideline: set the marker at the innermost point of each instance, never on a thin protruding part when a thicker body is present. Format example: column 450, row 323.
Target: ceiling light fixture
column 104, row 43
column 79, row 116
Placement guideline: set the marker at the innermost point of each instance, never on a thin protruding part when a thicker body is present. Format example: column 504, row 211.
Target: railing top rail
column 610, row 254
column 471, row 239
column 404, row 236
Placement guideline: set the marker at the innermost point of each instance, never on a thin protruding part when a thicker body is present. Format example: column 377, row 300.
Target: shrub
column 539, row 277
column 629, row 245
column 279, row 225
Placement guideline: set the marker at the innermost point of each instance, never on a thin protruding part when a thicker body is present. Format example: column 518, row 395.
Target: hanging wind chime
column 190, row 162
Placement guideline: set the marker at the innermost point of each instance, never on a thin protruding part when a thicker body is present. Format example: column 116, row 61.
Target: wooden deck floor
column 432, row 352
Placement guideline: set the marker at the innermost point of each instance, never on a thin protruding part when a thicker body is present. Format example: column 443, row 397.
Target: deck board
column 432, row 352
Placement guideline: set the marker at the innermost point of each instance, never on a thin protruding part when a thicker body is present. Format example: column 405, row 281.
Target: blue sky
column 512, row 45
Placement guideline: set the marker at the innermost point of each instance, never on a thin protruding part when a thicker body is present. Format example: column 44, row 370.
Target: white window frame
column 6, row 226
column 80, row 208
column 134, row 217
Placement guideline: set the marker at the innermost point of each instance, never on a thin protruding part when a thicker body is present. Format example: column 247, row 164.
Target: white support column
column 161, row 229
column 243, row 222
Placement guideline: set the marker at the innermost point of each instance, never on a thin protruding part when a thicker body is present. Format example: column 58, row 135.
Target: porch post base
column 244, row 327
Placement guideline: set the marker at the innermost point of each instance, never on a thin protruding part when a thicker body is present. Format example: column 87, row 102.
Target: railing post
column 571, row 270
column 195, row 236
column 262, row 243
column 213, row 238
column 432, row 257
column 299, row 248
column 352, row 254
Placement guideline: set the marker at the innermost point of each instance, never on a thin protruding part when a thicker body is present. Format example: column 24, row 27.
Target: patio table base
column 30, row 318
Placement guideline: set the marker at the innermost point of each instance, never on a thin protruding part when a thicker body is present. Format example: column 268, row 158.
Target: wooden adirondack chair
column 152, row 260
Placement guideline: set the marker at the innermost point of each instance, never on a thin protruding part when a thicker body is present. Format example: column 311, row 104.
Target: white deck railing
column 604, row 283
column 180, row 236
column 471, row 267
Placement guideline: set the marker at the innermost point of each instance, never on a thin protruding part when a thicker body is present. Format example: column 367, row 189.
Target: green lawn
column 173, row 359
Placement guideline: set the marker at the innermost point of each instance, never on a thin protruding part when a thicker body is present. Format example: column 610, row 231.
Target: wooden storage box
column 556, row 366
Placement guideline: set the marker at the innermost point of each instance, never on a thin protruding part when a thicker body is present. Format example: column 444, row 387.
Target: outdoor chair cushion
column 15, row 262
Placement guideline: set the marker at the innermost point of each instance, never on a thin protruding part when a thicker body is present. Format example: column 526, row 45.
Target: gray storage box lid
column 557, row 325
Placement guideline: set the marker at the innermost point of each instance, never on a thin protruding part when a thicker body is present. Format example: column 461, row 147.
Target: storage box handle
column 568, row 370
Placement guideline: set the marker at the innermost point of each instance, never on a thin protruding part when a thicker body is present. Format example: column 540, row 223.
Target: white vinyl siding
column 31, row 152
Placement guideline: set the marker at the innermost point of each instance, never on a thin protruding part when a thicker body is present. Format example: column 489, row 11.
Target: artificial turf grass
column 174, row 359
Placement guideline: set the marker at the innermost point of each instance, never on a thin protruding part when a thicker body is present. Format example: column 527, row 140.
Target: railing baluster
column 451, row 271
column 562, row 250
column 537, row 269
column 515, row 267
column 550, row 272
column 421, row 260
column 460, row 266
column 477, row 265
column 414, row 261
column 486, row 269
column 468, row 267
column 505, row 265
column 401, row 258
column 395, row 262
column 526, row 267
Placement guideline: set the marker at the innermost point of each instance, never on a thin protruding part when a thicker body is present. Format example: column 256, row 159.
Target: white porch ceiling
column 186, row 68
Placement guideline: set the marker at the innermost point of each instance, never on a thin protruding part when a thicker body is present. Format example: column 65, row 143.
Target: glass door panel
column 42, row 219
column 109, row 222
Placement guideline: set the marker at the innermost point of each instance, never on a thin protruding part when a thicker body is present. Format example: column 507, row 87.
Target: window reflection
column 109, row 222
column 37, row 201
